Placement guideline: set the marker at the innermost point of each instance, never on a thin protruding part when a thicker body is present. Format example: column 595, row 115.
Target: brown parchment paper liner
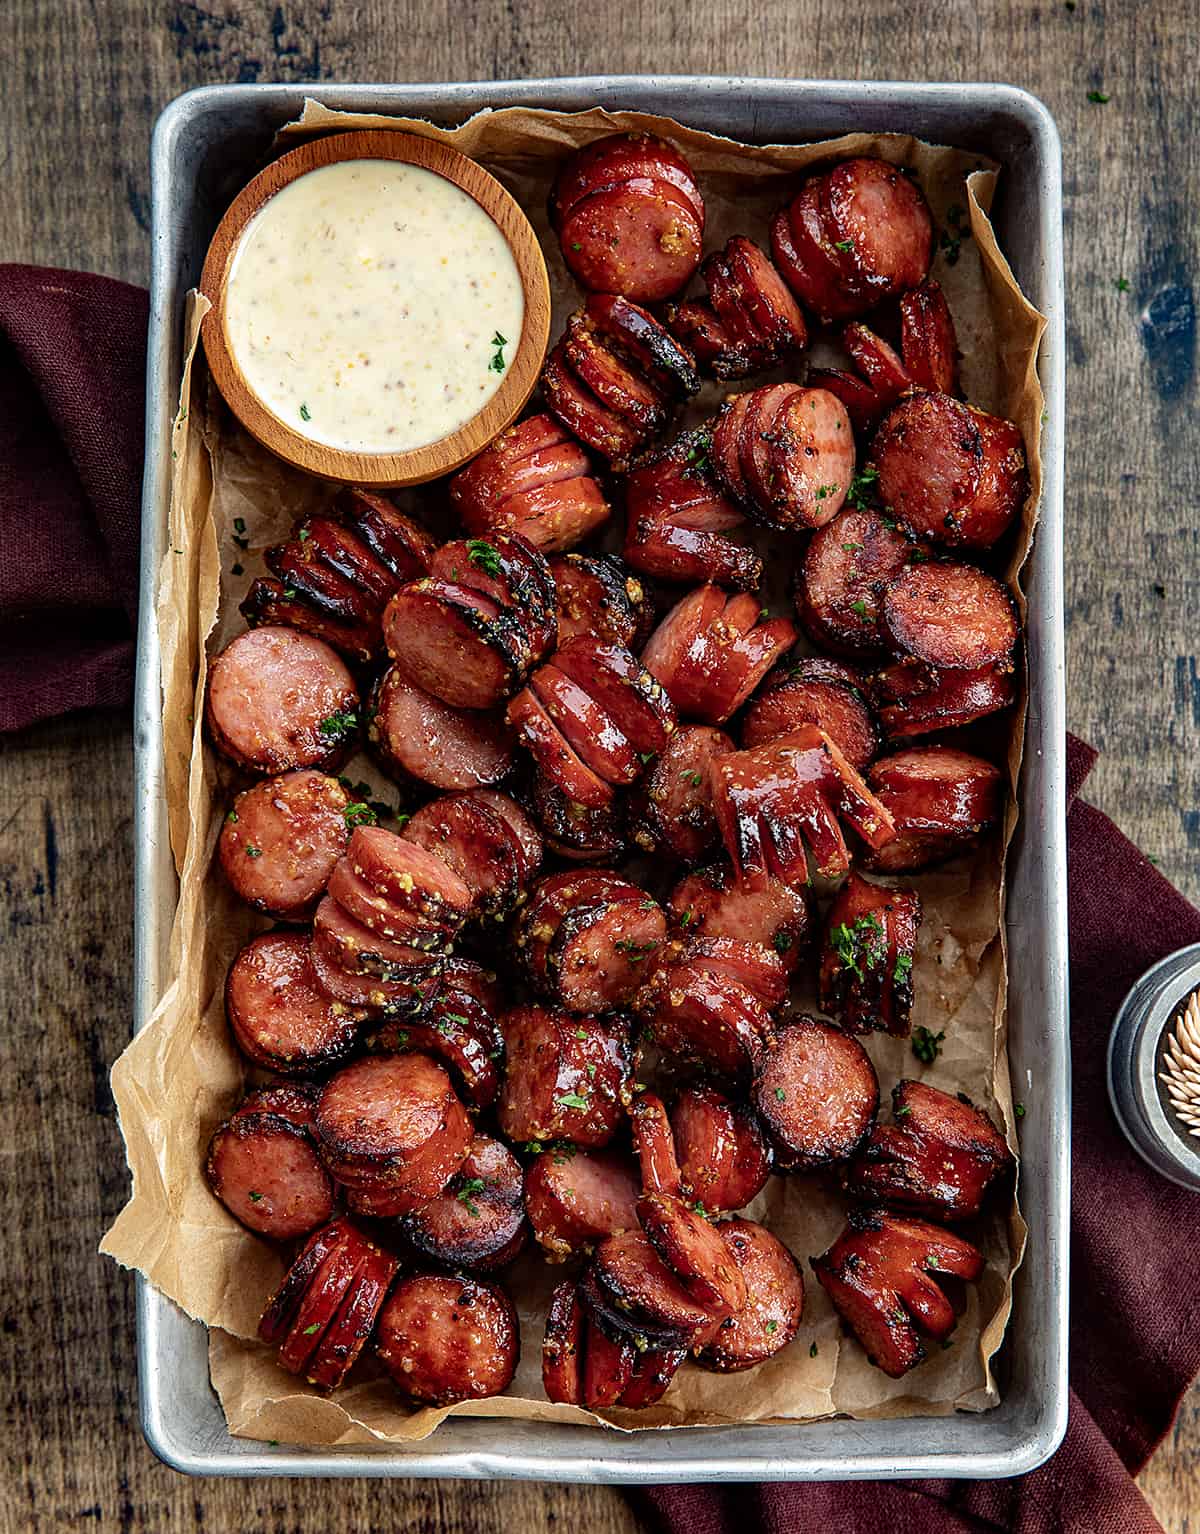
column 181, row 1075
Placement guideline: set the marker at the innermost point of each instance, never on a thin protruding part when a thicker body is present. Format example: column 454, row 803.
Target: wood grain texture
column 83, row 81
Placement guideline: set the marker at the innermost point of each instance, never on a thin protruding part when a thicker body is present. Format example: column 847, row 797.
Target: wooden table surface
column 82, row 83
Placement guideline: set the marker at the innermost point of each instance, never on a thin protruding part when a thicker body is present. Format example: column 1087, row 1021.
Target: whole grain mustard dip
column 373, row 306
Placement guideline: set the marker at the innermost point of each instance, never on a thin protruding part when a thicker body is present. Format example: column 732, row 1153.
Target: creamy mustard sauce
column 373, row 306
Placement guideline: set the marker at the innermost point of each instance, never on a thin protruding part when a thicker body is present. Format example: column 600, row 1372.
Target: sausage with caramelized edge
column 939, row 1156
column 469, row 834
column 816, row 1093
column 640, row 238
column 562, row 1346
column 278, row 1012
column 278, row 699
column 941, row 802
column 927, row 338
column 770, row 1318
column 416, row 736
column 880, row 1275
column 952, row 617
column 444, row 1339
column 618, row 158
column 867, row 961
column 567, row 1078
column 704, row 1015
column 806, row 692
column 711, row 902
column 840, row 582
column 478, row 1221
column 916, row 699
column 598, row 598
column 672, row 806
column 576, row 1197
column 724, row 1160
column 281, row 839
column 267, row 1173
column 345, row 1338
column 591, row 954
column 654, row 1143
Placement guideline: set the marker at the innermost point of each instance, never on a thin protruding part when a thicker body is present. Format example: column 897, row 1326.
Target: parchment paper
column 182, row 1075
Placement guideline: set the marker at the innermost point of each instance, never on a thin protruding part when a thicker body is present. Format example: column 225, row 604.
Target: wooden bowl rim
column 416, row 465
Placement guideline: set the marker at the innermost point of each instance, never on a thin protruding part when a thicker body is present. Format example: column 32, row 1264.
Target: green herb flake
column 645, row 756
column 860, row 944
column 780, row 1094
column 239, row 524
column 860, row 607
column 782, row 941
column 823, row 491
column 861, row 492
column 851, row 548
column 304, row 534
column 315, row 1327
column 575, row 245
column 845, row 246
column 634, row 952
column 581, row 1033
column 254, row 852
column 812, row 1352
column 533, row 1147
column 467, row 1192
column 902, row 1113
column 289, row 592
column 686, row 918
column 927, row 1046
column 1019, row 1110
column 254, row 1197
column 237, row 569
column 573, row 1100
column 360, row 814
column 305, row 413
column 902, row 974
column 484, row 555
column 339, row 726
column 692, row 776
column 232, row 817
column 1122, row 284
column 498, row 364
column 1098, row 98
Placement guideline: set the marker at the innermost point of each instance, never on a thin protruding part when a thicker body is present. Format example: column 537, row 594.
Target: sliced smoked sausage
column 724, row 1160
column 268, row 1175
column 278, row 1012
column 711, row 903
column 640, row 238
column 281, row 839
column 816, row 1093
column 577, row 1197
column 840, row 582
column 770, row 1318
column 444, row 1339
column 806, row 693
column 941, row 802
column 672, row 807
column 477, row 1222
column 867, row 960
column 567, row 1077
column 952, row 617
column 594, row 955
column 417, row 736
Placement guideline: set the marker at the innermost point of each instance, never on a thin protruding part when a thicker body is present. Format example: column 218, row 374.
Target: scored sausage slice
column 575, row 1198
column 281, row 839
column 841, row 581
column 819, row 275
column 398, row 542
column 630, row 1285
column 640, row 239
column 507, row 570
column 692, row 1247
column 628, row 691
column 274, row 604
column 477, row 1221
column 562, row 1346
column 654, row 1143
column 597, row 598
column 358, row 950
column 916, row 699
column 279, row 1014
column 567, row 1077
column 770, row 1318
column 330, row 1286
column 346, row 1337
column 600, row 953
column 724, row 1160
column 457, row 1029
column 751, row 964
column 354, row 988
column 653, row 1371
column 611, row 380
column 408, row 875
column 554, row 517
column 589, row 729
column 383, row 916
column 801, row 695
column 280, row 1310
column 714, row 347
column 416, row 735
column 267, row 1173
column 953, row 617
column 927, row 338
column 444, row 1339
column 577, row 832
column 473, row 840
column 556, row 758
column 303, row 572
column 886, row 220
column 573, row 403
column 706, row 1017
column 637, row 334
column 618, row 158
column 867, row 961
column 773, row 311
column 711, row 903
column 607, row 1365
column 672, row 809
column 295, row 1101
column 342, row 551
column 941, row 800
column 816, row 1093
column 278, row 699
column 453, row 643
column 811, row 455
column 551, row 901
column 522, row 831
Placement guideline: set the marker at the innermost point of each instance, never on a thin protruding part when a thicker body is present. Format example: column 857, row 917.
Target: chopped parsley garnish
column 860, row 944
column 1019, row 1110
column 1122, row 284
column 860, row 492
column 812, row 1352
column 951, row 245
column 846, row 246
column 304, row 534
column 483, row 555
column 466, row 1193
column 634, row 952
column 305, row 413
column 902, row 973
column 825, row 490
column 860, row 607
column 645, row 756
column 289, row 592
column 575, row 245
column 315, row 1327
column 927, row 1046
column 239, row 524
column 902, row 1113
column 338, row 726
column 852, row 548
column 360, row 814
column 498, row 364
column 564, row 1152
column 692, row 776
column 581, row 1033
column 781, row 942
column 781, row 1094
column 254, row 1197
column 533, row 1147
column 237, row 569
column 254, row 852
column 455, row 1017
column 232, row 817
column 573, row 1100
column 1098, row 98
column 686, row 917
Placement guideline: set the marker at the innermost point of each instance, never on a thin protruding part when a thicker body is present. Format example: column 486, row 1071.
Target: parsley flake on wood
column 1122, row 284
column 1099, row 98
column 927, row 1046
column 484, row 555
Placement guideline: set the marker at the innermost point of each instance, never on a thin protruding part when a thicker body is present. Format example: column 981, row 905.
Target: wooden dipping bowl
column 420, row 463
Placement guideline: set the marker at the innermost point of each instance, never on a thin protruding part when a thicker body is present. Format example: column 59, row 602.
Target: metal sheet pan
column 205, row 146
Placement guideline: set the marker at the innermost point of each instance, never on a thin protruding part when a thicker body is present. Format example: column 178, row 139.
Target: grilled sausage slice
column 416, row 736
column 590, row 956
column 672, row 809
column 567, row 1078
column 840, row 583
column 711, row 903
column 457, row 1029
column 577, row 1197
column 279, row 1014
column 478, row 1221
column 654, row 1143
column 952, row 617
column 806, row 693
column 267, row 1173
column 867, row 961
column 476, row 842
column 455, row 643
column 281, row 839
column 816, row 1093
column 598, row 598
column 562, row 1346
column 692, row 1248
column 640, row 238
column 710, row 653
column 346, row 1337
column 941, row 801
column 632, row 1288
column 444, row 1339
column 706, row 1017
column 581, row 833
column 618, row 158
column 770, row 1318
column 398, row 542
column 724, row 1160
column 916, row 699
column 278, row 699
column 927, row 338
column 882, row 215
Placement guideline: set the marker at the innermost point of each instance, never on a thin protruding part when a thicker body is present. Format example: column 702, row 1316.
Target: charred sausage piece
column 416, row 736
column 677, row 519
column 509, row 571
column 668, row 647
column 726, row 435
column 810, row 452
column 928, row 341
column 274, row 604
column 268, row 1175
column 942, row 801
column 713, row 346
column 773, row 311
column 884, row 218
column 636, row 334
column 607, row 1365
column 939, row 1157
column 473, row 840
column 640, row 238
column 475, row 1222
column 778, row 808
column 302, row 570
column 916, row 699
column 693, row 1249
column 724, row 1160
column 575, row 1198
column 522, row 831
column 552, row 900
column 278, row 700
column 816, row 1094
column 281, row 839
column 878, row 363
column 804, row 694
column 346, row 1337
column 630, row 1286
column 570, row 400
column 457, row 1029
column 723, row 661
column 387, row 918
column 562, row 1346
column 598, row 598
column 711, row 903
column 653, row 1371
column 707, row 1018
column 328, row 1290
column 600, row 950
column 952, row 617
column 344, row 552
column 444, row 1339
column 879, row 1273
column 399, row 543
column 654, row 1144
column 619, row 158
column 867, row 961
column 360, row 989
column 281, row 1308
column 556, row 758
column 847, row 567
column 862, row 404
column 555, row 517
column 295, row 1101
column 589, row 729
column 951, row 474
column 359, row 949
column 623, row 686
column 813, row 269
column 770, row 1318
column 751, row 964
column 567, row 1077
column 672, row 810
column 279, row 1015
column 578, row 832
column 756, row 439
column 390, row 1128
column 455, row 643
column 408, row 875
column 611, row 380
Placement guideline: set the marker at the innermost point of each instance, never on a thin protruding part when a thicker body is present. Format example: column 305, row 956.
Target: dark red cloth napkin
column 72, row 360
column 1135, row 1302
column 72, row 390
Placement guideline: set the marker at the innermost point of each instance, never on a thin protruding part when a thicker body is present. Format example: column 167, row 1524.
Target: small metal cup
column 1136, row 1048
